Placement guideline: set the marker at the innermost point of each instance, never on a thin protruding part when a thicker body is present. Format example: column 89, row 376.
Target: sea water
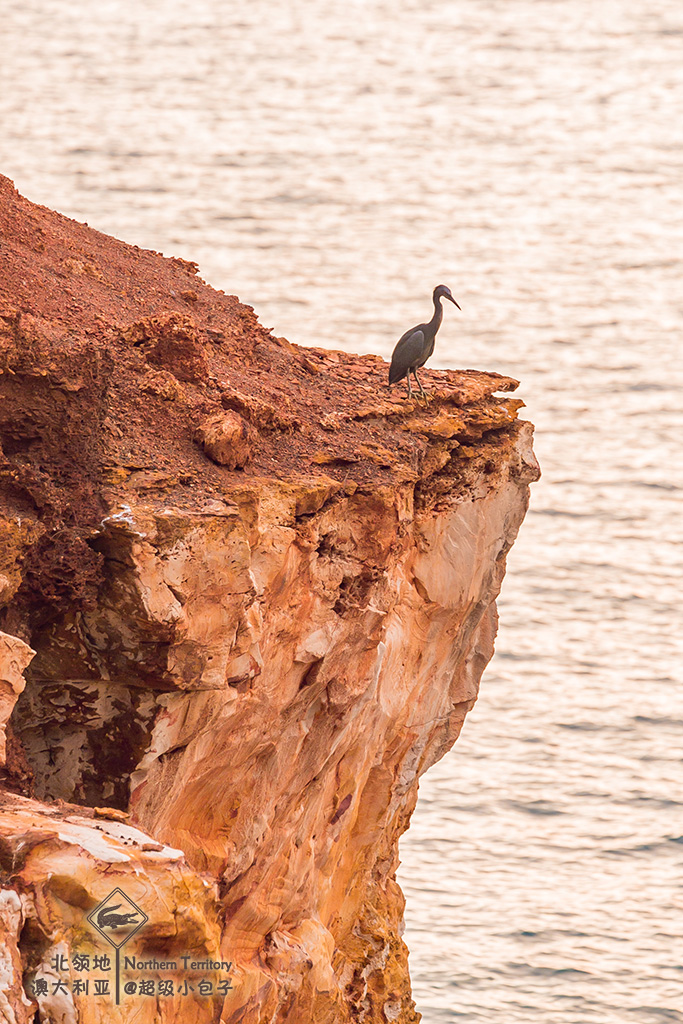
column 330, row 163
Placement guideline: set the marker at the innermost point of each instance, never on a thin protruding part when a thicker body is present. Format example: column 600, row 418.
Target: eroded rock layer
column 260, row 588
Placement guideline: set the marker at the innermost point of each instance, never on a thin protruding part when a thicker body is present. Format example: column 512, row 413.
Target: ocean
column 330, row 164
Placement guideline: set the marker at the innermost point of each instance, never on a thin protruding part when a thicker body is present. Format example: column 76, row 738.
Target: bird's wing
column 407, row 353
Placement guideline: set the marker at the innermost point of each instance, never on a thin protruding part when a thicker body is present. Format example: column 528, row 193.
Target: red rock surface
column 111, row 356
column 261, row 591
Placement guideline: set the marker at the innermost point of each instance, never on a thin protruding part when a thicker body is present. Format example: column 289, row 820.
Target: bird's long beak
column 453, row 301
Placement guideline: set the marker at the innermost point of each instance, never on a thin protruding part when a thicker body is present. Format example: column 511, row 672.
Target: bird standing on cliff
column 416, row 346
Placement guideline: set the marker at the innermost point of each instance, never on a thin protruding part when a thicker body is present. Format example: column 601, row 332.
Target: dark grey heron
column 416, row 346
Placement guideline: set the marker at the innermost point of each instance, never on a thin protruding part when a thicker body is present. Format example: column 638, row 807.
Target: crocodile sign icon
column 117, row 918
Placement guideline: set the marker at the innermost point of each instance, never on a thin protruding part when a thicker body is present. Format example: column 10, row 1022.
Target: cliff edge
column 247, row 594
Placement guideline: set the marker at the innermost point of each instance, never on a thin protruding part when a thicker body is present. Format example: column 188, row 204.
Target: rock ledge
column 251, row 592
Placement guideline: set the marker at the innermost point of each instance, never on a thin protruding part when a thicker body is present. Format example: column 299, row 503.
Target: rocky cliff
column 246, row 596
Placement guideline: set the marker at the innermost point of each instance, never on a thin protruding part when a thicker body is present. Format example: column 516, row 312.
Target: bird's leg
column 410, row 390
column 422, row 390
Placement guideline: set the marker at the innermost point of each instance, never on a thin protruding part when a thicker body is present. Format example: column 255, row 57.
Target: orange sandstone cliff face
column 246, row 597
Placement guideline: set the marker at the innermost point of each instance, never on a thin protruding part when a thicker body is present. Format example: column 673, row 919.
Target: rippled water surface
column 330, row 163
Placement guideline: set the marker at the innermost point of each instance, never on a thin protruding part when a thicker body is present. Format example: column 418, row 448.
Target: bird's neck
column 435, row 322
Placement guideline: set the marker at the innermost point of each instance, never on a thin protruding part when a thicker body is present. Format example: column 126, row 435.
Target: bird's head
column 443, row 291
